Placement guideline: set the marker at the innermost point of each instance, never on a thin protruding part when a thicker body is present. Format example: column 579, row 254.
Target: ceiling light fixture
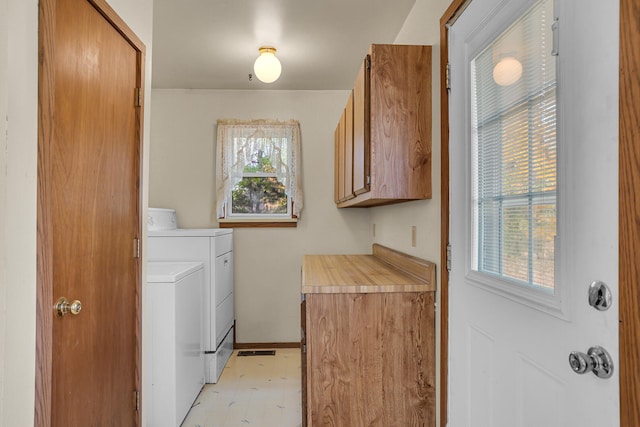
column 508, row 71
column 267, row 67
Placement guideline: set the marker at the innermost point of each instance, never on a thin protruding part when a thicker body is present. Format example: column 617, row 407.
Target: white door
column 519, row 281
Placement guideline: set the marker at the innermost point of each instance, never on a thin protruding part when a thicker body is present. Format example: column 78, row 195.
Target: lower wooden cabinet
column 368, row 359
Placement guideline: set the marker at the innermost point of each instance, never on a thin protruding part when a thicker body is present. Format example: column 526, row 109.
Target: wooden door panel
column 89, row 194
column 341, row 160
column 361, row 149
column 629, row 211
column 370, row 359
column 348, row 149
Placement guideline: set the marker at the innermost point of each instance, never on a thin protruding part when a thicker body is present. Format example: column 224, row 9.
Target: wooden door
column 340, row 164
column 509, row 343
column 348, row 149
column 303, row 364
column 88, row 216
column 370, row 359
column 361, row 129
column 629, row 211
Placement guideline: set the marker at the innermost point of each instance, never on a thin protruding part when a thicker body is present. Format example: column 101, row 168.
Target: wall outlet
column 413, row 236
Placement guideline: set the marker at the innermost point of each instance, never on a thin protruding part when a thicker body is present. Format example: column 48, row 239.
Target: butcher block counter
column 368, row 340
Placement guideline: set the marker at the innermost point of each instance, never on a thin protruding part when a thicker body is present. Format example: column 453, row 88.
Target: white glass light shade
column 507, row 71
column 267, row 67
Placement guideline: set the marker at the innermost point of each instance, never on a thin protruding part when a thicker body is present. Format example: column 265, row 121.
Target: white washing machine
column 214, row 248
column 174, row 321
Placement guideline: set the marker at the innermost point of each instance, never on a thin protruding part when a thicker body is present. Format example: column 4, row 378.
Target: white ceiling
column 212, row 44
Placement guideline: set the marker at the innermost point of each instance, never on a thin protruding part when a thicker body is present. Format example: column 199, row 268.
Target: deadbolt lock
column 600, row 296
column 63, row 306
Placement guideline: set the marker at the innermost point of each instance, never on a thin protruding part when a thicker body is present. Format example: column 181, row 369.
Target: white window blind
column 513, row 85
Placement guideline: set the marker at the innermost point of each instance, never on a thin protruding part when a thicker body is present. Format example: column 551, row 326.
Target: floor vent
column 257, row 353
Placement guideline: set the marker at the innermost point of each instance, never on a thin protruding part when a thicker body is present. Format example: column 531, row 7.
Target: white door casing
column 508, row 353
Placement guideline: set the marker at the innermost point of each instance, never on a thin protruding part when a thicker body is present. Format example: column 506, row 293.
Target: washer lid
column 166, row 272
column 161, row 219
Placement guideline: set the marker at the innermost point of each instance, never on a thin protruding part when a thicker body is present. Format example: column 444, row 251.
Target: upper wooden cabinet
column 344, row 154
column 383, row 149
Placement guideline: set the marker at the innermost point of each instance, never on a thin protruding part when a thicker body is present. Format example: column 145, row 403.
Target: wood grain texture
column 303, row 361
column 361, row 129
column 89, row 157
column 44, row 241
column 264, row 345
column 420, row 268
column 348, row 149
column 400, row 121
column 399, row 102
column 629, row 213
column 258, row 224
column 370, row 359
column 336, row 164
column 357, row 274
column 341, row 160
column 93, row 174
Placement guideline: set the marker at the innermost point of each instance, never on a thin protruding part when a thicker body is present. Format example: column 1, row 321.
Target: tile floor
column 260, row 391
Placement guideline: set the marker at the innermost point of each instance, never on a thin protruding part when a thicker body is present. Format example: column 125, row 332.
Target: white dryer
column 214, row 248
column 176, row 372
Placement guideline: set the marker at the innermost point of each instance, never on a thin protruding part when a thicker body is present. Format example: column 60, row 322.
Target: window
column 513, row 87
column 258, row 173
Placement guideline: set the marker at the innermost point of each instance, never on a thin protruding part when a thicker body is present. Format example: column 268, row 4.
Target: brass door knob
column 63, row 306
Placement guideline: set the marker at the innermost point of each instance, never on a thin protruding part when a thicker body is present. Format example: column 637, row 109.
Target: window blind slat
column 515, row 158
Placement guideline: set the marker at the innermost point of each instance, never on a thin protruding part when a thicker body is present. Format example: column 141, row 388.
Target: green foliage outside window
column 259, row 191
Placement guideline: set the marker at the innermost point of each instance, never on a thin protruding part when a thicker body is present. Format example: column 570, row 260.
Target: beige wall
column 4, row 100
column 267, row 261
column 18, row 161
column 183, row 174
column 19, row 210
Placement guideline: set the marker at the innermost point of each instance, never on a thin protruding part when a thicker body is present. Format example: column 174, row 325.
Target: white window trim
column 554, row 304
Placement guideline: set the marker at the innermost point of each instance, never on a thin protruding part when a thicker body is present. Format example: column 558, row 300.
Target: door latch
column 597, row 360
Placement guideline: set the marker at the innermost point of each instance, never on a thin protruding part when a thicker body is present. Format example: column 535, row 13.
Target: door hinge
column 367, row 62
column 447, row 76
column 449, row 257
column 138, row 97
column 136, row 248
column 555, row 27
column 136, row 399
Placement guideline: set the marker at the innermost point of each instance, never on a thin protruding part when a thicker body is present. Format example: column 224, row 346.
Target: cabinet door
column 303, row 355
column 371, row 359
column 340, row 160
column 361, row 129
column 348, row 149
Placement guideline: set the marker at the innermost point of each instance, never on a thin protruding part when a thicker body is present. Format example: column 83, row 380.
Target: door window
column 513, row 114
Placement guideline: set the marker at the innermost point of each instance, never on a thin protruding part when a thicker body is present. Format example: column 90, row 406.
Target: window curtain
column 238, row 141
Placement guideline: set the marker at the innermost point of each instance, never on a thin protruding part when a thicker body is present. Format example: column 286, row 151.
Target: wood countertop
column 385, row 270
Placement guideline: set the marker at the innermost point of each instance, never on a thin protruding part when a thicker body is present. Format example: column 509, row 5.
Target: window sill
column 257, row 223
